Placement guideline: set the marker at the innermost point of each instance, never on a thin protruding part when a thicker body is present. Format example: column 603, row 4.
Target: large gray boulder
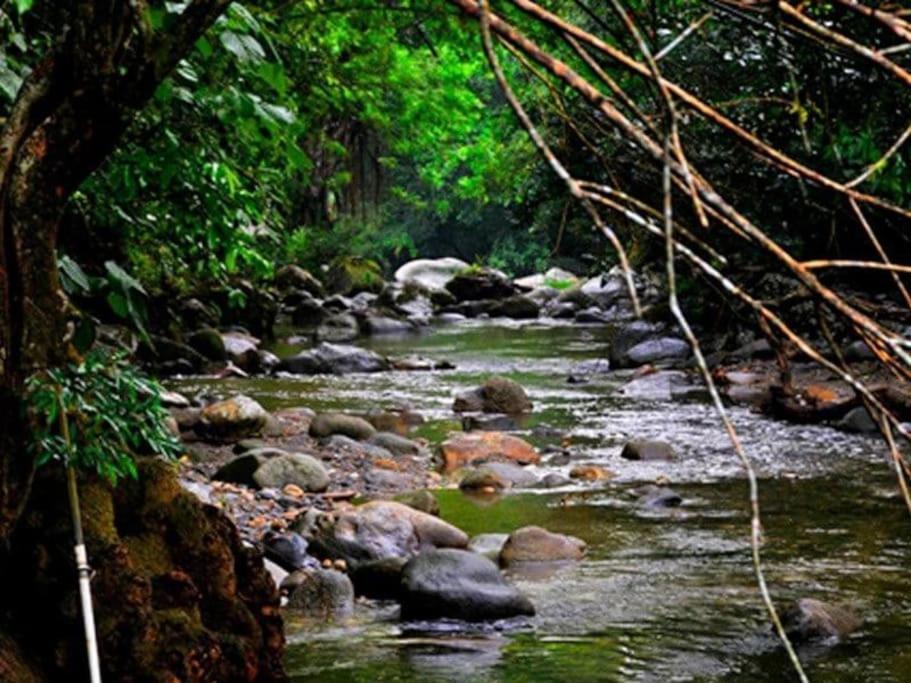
column 376, row 530
column 299, row 469
column 458, row 584
column 629, row 335
column 534, row 544
column 334, row 359
column 664, row 350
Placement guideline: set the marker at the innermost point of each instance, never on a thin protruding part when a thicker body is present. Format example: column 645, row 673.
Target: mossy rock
column 349, row 275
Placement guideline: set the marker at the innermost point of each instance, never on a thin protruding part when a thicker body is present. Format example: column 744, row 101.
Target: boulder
column 652, row 496
column 334, row 359
column 327, row 424
column 605, row 290
column 338, row 328
column 209, row 343
column 662, row 385
column 431, row 274
column 240, row 470
column 422, row 500
column 349, row 275
column 296, row 278
column 858, row 420
column 648, row 449
column 628, row 335
column 307, row 312
column 480, row 284
column 396, row 421
column 496, row 395
column 323, row 593
column 233, row 419
column 518, row 307
column 463, row 449
column 497, row 475
column 287, row 550
column 482, row 479
column 664, row 350
column 299, row 469
column 397, row 445
column 534, row 544
column 379, row 579
column 458, row 584
column 376, row 530
column 488, row 545
column 592, row 314
column 814, row 620
column 553, row 480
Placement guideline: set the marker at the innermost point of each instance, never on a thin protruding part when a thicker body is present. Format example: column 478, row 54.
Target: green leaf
column 246, row 48
column 74, row 279
column 23, row 6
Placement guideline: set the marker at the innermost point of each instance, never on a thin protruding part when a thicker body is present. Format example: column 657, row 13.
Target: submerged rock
column 496, row 395
column 648, row 449
column 664, row 350
column 338, row 328
column 809, row 620
column 488, row 545
column 323, row 593
column 458, row 584
column 334, row 359
column 236, row 418
column 463, row 449
column 534, row 544
column 652, row 496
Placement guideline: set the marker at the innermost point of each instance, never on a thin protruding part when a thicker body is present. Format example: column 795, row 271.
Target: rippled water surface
column 661, row 595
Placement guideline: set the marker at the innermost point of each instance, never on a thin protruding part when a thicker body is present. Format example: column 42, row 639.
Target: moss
column 149, row 554
column 351, row 274
column 97, row 506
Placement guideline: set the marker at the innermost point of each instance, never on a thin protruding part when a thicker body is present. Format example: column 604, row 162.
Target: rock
column 240, row 470
column 173, row 399
column 375, row 325
column 594, row 366
column 327, row 424
column 170, row 356
column 664, row 350
column 287, row 550
column 813, row 620
column 628, row 335
column 266, row 361
column 349, row 275
column 342, row 443
column 308, row 312
column 463, row 449
column 605, row 290
column 518, row 307
column 245, row 445
column 241, row 349
column 379, row 579
column 397, row 421
column 418, row 364
column 648, row 449
column 458, row 584
column 423, row 501
column 195, row 314
column 511, row 474
column 277, row 573
column 590, row 473
column 858, row 351
column 398, row 445
column 553, row 480
column 450, row 318
column 323, row 593
column 236, row 418
column 476, row 285
column 561, row 310
column 431, row 274
column 379, row 479
column 295, row 277
column 299, row 469
column 334, row 359
column 482, row 479
column 209, row 343
column 377, row 530
column 663, row 385
column 592, row 314
column 534, row 544
column 496, row 395
column 338, row 328
column 488, row 545
column 858, row 420
column 652, row 496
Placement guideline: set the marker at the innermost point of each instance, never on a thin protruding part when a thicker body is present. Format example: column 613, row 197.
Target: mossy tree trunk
column 105, row 61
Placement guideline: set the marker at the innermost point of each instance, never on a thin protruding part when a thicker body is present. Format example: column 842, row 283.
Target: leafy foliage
column 111, row 410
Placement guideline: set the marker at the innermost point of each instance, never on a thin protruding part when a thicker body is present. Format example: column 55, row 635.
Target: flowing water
column 663, row 595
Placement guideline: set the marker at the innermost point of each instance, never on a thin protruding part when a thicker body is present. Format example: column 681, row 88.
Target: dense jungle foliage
column 301, row 131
